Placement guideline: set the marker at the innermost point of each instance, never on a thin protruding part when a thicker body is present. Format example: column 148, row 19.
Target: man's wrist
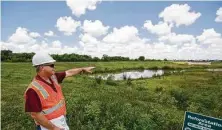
column 82, row 70
column 52, row 126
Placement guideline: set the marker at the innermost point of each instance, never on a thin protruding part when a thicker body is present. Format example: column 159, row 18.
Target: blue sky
column 42, row 16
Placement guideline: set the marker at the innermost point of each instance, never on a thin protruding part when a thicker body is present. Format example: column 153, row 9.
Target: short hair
column 37, row 68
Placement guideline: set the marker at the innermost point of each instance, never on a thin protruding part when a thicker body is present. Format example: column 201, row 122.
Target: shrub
column 110, row 81
column 154, row 68
column 124, row 77
column 181, row 97
column 98, row 79
column 156, row 76
column 141, row 68
column 167, row 67
column 129, row 81
column 158, row 89
column 92, row 110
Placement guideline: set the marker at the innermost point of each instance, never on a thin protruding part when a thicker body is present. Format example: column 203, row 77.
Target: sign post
column 194, row 121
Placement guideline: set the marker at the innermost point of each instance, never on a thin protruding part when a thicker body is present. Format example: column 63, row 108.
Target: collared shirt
column 32, row 103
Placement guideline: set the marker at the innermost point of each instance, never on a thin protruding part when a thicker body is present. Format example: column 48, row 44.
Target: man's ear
column 41, row 68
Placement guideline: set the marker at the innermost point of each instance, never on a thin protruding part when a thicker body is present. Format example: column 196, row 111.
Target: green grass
column 156, row 103
column 103, row 67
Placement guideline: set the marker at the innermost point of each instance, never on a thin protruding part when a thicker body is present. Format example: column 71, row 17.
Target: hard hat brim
column 52, row 61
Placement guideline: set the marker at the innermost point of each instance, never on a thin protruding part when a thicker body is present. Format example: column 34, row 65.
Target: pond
column 217, row 69
column 132, row 74
column 135, row 74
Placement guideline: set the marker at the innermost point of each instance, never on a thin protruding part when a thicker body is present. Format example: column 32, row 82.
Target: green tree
column 141, row 58
column 6, row 55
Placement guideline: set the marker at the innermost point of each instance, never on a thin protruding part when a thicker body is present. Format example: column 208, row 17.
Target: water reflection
column 214, row 69
column 141, row 74
column 132, row 74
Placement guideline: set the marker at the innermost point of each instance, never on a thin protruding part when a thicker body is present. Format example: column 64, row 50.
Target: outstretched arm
column 76, row 71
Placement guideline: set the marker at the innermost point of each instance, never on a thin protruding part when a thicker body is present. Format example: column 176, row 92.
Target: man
column 44, row 99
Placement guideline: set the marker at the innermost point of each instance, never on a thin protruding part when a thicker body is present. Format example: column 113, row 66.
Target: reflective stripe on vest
column 41, row 89
column 56, row 107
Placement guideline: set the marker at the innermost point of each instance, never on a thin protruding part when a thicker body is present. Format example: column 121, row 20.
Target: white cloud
column 95, row 28
column 125, row 41
column 90, row 49
column 56, row 44
column 158, row 50
column 179, row 15
column 17, row 48
column 6, row 46
column 67, row 25
column 190, row 51
column 211, row 44
column 22, row 36
column 34, row 34
column 209, row 36
column 160, row 29
column 171, row 46
column 49, row 33
column 79, row 7
column 55, row 48
column 22, row 41
column 71, row 49
column 174, row 38
column 123, row 35
column 219, row 15
column 89, row 45
column 86, row 38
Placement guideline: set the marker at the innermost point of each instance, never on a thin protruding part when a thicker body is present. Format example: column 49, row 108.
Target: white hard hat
column 42, row 58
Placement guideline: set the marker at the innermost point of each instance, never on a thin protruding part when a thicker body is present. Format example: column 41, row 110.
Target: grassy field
column 158, row 103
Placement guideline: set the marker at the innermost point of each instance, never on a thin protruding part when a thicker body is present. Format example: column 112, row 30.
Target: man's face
column 48, row 69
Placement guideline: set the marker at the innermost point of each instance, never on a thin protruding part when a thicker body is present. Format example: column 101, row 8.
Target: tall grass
column 153, row 104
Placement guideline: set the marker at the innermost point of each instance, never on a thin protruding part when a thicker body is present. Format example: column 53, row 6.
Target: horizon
column 130, row 59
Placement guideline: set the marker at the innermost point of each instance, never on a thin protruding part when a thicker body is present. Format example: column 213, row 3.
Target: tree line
column 9, row 56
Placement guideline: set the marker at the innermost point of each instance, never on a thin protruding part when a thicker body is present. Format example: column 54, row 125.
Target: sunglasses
column 51, row 65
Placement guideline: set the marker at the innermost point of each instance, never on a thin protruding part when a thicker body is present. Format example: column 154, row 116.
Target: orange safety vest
column 53, row 103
